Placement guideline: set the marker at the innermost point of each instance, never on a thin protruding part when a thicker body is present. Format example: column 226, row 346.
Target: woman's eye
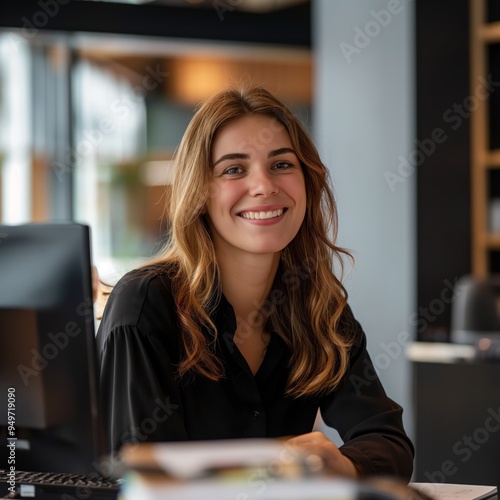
column 282, row 165
column 232, row 171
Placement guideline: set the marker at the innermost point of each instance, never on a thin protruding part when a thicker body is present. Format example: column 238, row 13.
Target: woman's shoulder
column 142, row 279
column 143, row 295
column 351, row 329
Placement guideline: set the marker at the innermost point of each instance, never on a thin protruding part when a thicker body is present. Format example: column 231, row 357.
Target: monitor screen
column 48, row 366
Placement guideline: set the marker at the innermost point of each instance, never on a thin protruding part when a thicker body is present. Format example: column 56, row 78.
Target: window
column 90, row 123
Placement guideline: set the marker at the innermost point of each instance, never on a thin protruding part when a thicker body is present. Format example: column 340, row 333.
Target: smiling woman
column 240, row 322
column 257, row 199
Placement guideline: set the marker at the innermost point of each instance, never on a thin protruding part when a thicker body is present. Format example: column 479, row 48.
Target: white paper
column 443, row 491
column 317, row 489
column 191, row 459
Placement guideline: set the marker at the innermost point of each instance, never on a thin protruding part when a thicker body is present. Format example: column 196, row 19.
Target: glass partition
column 17, row 203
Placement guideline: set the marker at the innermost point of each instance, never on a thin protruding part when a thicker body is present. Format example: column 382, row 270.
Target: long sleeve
column 368, row 421
column 140, row 403
column 136, row 343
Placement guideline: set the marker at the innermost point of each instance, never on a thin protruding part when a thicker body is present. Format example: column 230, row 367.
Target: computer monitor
column 48, row 365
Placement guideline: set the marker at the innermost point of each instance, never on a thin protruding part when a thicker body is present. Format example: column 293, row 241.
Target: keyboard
column 52, row 485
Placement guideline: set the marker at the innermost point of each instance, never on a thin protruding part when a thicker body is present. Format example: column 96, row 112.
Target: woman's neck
column 247, row 282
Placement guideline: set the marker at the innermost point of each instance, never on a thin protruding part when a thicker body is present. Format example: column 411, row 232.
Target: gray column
column 364, row 127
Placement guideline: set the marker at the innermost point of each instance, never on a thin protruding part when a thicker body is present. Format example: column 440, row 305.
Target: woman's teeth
column 262, row 215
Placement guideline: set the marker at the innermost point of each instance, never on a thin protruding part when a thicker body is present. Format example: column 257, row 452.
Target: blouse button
column 256, row 415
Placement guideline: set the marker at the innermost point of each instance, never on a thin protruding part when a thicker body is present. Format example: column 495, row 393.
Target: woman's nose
column 262, row 183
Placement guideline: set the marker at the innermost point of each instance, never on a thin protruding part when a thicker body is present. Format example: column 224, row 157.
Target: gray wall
column 364, row 129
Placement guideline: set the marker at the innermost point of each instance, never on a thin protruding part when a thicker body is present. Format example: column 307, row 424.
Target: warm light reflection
column 194, row 79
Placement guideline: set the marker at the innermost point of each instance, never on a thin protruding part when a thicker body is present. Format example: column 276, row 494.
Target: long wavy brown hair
column 312, row 298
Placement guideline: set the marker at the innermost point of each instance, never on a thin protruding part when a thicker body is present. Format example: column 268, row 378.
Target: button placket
column 256, row 414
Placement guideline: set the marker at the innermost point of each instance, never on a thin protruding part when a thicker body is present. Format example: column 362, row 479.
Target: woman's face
column 257, row 199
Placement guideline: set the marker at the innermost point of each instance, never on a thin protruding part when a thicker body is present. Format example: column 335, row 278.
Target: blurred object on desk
column 250, row 469
column 475, row 312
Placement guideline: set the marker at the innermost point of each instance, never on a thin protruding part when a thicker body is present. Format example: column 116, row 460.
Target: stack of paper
column 138, row 487
column 262, row 469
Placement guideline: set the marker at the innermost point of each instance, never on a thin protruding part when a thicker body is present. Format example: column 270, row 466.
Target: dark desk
column 457, row 420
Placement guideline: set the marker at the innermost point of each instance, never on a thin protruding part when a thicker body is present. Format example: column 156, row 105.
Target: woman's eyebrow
column 280, row 151
column 233, row 156
column 246, row 156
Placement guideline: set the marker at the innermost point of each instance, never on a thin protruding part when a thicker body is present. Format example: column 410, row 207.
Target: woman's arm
column 140, row 399
column 138, row 343
column 368, row 421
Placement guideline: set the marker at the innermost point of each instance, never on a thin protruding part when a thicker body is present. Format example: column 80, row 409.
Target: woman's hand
column 318, row 444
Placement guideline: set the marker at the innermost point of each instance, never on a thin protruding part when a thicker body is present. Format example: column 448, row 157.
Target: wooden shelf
column 489, row 33
column 492, row 159
column 492, row 241
column 482, row 158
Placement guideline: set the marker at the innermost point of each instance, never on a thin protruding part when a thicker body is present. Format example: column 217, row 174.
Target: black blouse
column 144, row 400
